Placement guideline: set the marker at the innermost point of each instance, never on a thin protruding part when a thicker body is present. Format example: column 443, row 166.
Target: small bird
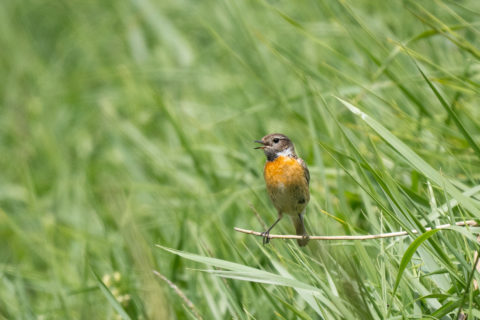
column 287, row 179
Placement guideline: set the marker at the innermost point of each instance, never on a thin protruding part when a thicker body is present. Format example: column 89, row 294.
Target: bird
column 287, row 180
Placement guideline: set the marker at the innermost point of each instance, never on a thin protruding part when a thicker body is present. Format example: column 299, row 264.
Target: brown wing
column 305, row 169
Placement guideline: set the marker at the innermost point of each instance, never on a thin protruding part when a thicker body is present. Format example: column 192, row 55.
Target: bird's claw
column 266, row 237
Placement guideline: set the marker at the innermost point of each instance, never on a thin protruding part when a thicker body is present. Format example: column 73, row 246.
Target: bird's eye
column 276, row 140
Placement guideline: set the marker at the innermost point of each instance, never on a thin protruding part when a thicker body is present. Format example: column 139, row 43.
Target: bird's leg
column 266, row 234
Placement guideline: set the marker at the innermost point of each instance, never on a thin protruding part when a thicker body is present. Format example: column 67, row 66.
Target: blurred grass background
column 125, row 124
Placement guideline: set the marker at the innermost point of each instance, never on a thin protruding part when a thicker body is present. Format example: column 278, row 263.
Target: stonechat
column 287, row 179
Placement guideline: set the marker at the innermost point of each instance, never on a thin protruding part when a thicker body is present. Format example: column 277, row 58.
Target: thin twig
column 461, row 314
column 180, row 294
column 364, row 237
column 475, row 258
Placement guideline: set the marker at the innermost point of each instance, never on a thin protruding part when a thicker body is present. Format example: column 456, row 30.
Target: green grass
column 130, row 124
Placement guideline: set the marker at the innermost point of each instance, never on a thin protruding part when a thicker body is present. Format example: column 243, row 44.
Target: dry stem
column 364, row 237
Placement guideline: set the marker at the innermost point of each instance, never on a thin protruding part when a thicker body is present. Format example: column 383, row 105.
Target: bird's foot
column 266, row 237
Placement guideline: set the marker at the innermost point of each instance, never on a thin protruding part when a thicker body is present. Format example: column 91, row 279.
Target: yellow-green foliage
column 126, row 124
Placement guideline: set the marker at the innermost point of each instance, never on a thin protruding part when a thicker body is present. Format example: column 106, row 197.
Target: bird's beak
column 261, row 147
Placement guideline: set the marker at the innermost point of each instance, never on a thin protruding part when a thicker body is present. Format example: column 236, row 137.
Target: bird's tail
column 300, row 229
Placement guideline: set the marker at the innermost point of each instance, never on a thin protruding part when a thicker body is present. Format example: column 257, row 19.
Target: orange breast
column 284, row 171
column 287, row 185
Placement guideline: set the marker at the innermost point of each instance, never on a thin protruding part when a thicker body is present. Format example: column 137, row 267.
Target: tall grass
column 126, row 125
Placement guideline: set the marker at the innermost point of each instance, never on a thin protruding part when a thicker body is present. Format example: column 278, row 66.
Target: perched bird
column 287, row 179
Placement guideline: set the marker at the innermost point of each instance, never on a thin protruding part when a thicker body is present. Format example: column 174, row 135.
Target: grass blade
column 241, row 272
column 409, row 254
column 111, row 299
column 451, row 112
column 415, row 160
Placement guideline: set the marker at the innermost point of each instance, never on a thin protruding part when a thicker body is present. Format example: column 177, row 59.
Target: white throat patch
column 286, row 153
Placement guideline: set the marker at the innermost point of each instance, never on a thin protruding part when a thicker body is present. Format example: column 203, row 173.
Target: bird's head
column 276, row 144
